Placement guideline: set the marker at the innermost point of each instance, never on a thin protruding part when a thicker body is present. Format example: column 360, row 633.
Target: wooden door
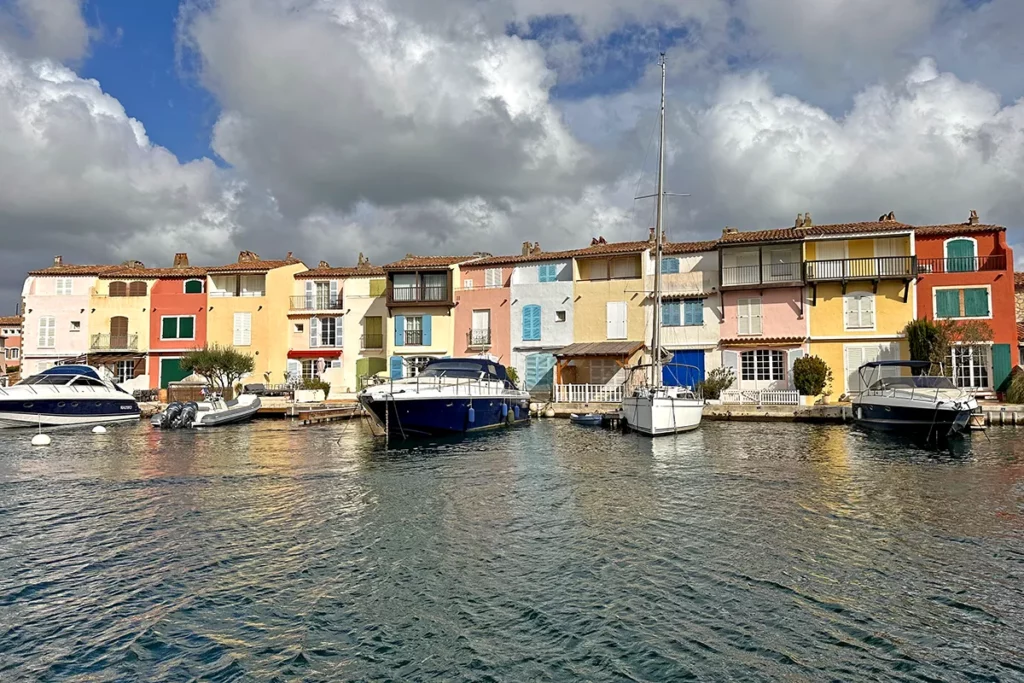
column 119, row 332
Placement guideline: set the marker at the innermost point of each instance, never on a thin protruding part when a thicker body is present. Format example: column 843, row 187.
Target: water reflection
column 276, row 552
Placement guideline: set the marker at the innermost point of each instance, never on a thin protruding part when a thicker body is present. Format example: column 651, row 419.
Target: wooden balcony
column 872, row 269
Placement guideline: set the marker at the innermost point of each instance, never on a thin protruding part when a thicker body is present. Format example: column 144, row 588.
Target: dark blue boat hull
column 912, row 421
column 445, row 417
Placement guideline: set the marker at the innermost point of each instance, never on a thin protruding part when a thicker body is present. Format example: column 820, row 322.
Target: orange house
column 966, row 273
column 177, row 322
column 482, row 305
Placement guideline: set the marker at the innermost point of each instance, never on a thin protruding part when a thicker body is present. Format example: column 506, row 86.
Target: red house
column 177, row 321
column 966, row 273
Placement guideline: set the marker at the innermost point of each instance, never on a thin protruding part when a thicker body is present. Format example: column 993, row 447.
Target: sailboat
column 652, row 408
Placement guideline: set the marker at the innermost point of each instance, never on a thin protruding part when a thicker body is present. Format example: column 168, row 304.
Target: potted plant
column 718, row 380
column 812, row 377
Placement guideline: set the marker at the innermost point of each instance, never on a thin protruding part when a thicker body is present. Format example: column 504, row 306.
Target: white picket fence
column 764, row 397
column 588, row 393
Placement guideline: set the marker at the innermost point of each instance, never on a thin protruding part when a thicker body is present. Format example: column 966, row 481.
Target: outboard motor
column 168, row 417
column 188, row 415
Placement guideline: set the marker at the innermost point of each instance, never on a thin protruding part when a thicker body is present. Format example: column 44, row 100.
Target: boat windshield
column 59, row 380
column 453, row 369
column 919, row 382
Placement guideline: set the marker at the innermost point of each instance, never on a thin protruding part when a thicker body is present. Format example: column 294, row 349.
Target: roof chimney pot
column 58, row 260
column 973, row 220
column 181, row 260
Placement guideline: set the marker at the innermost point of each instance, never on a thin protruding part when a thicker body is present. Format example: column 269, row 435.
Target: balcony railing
column 765, row 274
column 114, row 342
column 370, row 342
column 478, row 338
column 414, row 337
column 961, row 264
column 876, row 268
column 418, row 294
column 315, row 303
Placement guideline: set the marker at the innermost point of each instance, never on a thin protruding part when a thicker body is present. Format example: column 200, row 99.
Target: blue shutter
column 947, row 303
column 670, row 314
column 426, row 330
column 399, row 330
column 532, row 370
column 531, row 323
column 540, row 370
column 546, row 273
column 960, row 255
column 396, row 367
column 693, row 312
column 669, row 266
column 976, row 303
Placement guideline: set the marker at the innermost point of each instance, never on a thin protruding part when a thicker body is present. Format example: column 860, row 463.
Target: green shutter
column 377, row 287
column 960, row 255
column 171, row 371
column 947, row 303
column 976, row 303
column 1001, row 366
column 186, row 328
column 194, row 287
column 169, row 329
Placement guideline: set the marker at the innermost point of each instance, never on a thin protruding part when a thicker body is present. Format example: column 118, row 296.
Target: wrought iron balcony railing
column 961, row 264
column 478, row 338
column 316, row 303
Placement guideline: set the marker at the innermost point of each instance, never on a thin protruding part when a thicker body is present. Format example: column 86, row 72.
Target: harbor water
column 742, row 551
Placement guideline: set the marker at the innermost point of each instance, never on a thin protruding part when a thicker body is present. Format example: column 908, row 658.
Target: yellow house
column 119, row 321
column 609, row 320
column 420, row 299
column 861, row 294
column 248, row 306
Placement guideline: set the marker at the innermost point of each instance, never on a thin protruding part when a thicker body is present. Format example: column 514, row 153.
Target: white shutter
column 310, row 296
column 755, row 316
column 867, row 311
column 492, row 277
column 339, row 331
column 854, row 359
column 314, row 332
column 242, row 329
column 851, row 312
column 731, row 359
column 743, row 316
column 616, row 320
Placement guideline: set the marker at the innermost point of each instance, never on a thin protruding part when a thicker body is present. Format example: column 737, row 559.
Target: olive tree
column 221, row 366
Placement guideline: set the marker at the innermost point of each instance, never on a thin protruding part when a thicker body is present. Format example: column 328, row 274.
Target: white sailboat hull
column 660, row 415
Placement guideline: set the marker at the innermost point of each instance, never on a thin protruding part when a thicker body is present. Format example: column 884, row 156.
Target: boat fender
column 515, row 411
column 510, row 417
column 504, row 410
column 472, row 415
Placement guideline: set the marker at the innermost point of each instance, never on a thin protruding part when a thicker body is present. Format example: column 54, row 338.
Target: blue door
column 674, row 376
column 540, row 371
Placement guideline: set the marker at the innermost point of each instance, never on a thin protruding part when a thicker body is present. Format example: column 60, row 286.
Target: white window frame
column 193, row 279
column 467, row 283
column 955, row 368
column 770, row 356
column 12, row 353
column 67, row 284
column 945, row 246
column 52, row 338
column 743, row 312
column 935, row 302
column 848, row 299
column 118, row 366
column 179, row 317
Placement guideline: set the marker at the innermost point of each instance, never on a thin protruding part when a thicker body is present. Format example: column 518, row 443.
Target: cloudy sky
column 328, row 127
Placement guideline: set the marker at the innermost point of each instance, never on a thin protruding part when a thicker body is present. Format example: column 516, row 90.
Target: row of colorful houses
column 570, row 322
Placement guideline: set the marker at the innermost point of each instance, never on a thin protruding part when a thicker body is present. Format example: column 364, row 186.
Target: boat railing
column 463, row 386
column 924, row 394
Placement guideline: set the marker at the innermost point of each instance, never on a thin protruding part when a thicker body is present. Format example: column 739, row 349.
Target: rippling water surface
column 743, row 551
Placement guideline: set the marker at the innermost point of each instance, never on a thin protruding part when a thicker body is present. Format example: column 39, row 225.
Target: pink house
column 10, row 345
column 482, row 305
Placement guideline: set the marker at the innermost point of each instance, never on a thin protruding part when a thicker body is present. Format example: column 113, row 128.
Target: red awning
column 321, row 353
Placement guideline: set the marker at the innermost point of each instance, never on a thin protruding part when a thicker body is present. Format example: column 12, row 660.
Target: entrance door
column 672, row 375
column 171, row 371
column 119, row 332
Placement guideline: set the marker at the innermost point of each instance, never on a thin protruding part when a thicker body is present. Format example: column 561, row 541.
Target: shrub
column 317, row 384
column 811, row 375
column 718, row 380
column 1015, row 392
column 513, row 376
column 221, row 366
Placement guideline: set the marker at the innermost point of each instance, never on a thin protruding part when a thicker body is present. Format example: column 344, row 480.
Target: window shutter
column 867, row 316
column 976, row 303
column 743, row 316
column 314, row 332
column 399, row 330
column 426, row 331
column 310, row 296
column 947, row 303
column 698, row 311
column 731, row 359
column 339, row 331
column 669, row 266
column 335, row 301
column 243, row 329
column 1001, row 366
column 378, row 287
column 186, row 327
column 599, row 269
column 614, row 313
column 531, row 323
column 397, row 367
column 547, row 273
column 169, row 328
column 854, row 359
column 670, row 314
column 294, row 369
column 960, row 255
column 193, row 286
column 794, row 354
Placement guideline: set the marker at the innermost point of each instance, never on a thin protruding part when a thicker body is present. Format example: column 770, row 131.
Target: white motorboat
column 65, row 396
column 656, row 409
column 915, row 405
column 213, row 412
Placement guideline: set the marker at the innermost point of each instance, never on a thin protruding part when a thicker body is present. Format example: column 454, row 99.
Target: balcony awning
column 315, row 353
column 673, row 296
column 762, row 342
column 608, row 349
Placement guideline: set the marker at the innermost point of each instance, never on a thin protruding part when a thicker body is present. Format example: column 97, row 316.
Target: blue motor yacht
column 64, row 396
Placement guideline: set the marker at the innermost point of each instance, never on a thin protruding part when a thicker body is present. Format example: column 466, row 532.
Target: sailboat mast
column 658, row 232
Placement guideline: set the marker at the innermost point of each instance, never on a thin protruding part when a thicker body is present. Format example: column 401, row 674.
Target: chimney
column 726, row 231
column 58, row 260
column 324, row 264
column 593, row 241
column 799, row 223
column 536, row 249
column 601, row 240
column 807, row 220
column 650, row 235
column 289, row 257
column 248, row 256
column 181, row 260
column 363, row 262
column 973, row 220
column 526, row 248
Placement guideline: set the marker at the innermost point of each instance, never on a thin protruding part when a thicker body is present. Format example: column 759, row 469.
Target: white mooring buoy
column 99, row 429
column 40, row 440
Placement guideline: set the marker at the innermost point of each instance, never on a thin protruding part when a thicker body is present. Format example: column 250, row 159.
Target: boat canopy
column 464, row 368
column 918, row 382
column 83, row 370
column 915, row 364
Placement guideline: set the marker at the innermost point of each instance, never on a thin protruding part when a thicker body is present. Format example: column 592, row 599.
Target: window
column 467, row 284
column 297, row 328
column 762, row 364
column 547, row 273
column 193, row 286
column 321, row 296
column 124, row 371
column 47, row 332
column 177, row 327
column 961, row 255
column 971, row 366
column 435, row 286
column 378, row 287
column 325, row 332
column 373, row 332
column 599, row 269
column 531, row 322
column 414, row 330
column 480, row 333
column 972, row 302
column 859, row 311
column 559, row 316
column 615, row 317
column 243, row 329
column 492, row 278
column 404, row 287
column 13, row 353
column 606, row 372
column 624, row 267
column 748, row 317
column 252, row 285
column 76, row 325
column 117, row 289
column 64, row 286
column 693, row 312
column 670, row 314
column 137, row 289
column 669, row 266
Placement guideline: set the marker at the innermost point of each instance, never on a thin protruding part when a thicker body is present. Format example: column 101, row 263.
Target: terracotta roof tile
column 799, row 234
column 355, row 271
column 956, row 229
column 612, row 248
column 71, row 270
column 672, row 248
column 427, row 262
column 260, row 266
column 11, row 320
column 519, row 258
column 153, row 273
column 762, row 341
